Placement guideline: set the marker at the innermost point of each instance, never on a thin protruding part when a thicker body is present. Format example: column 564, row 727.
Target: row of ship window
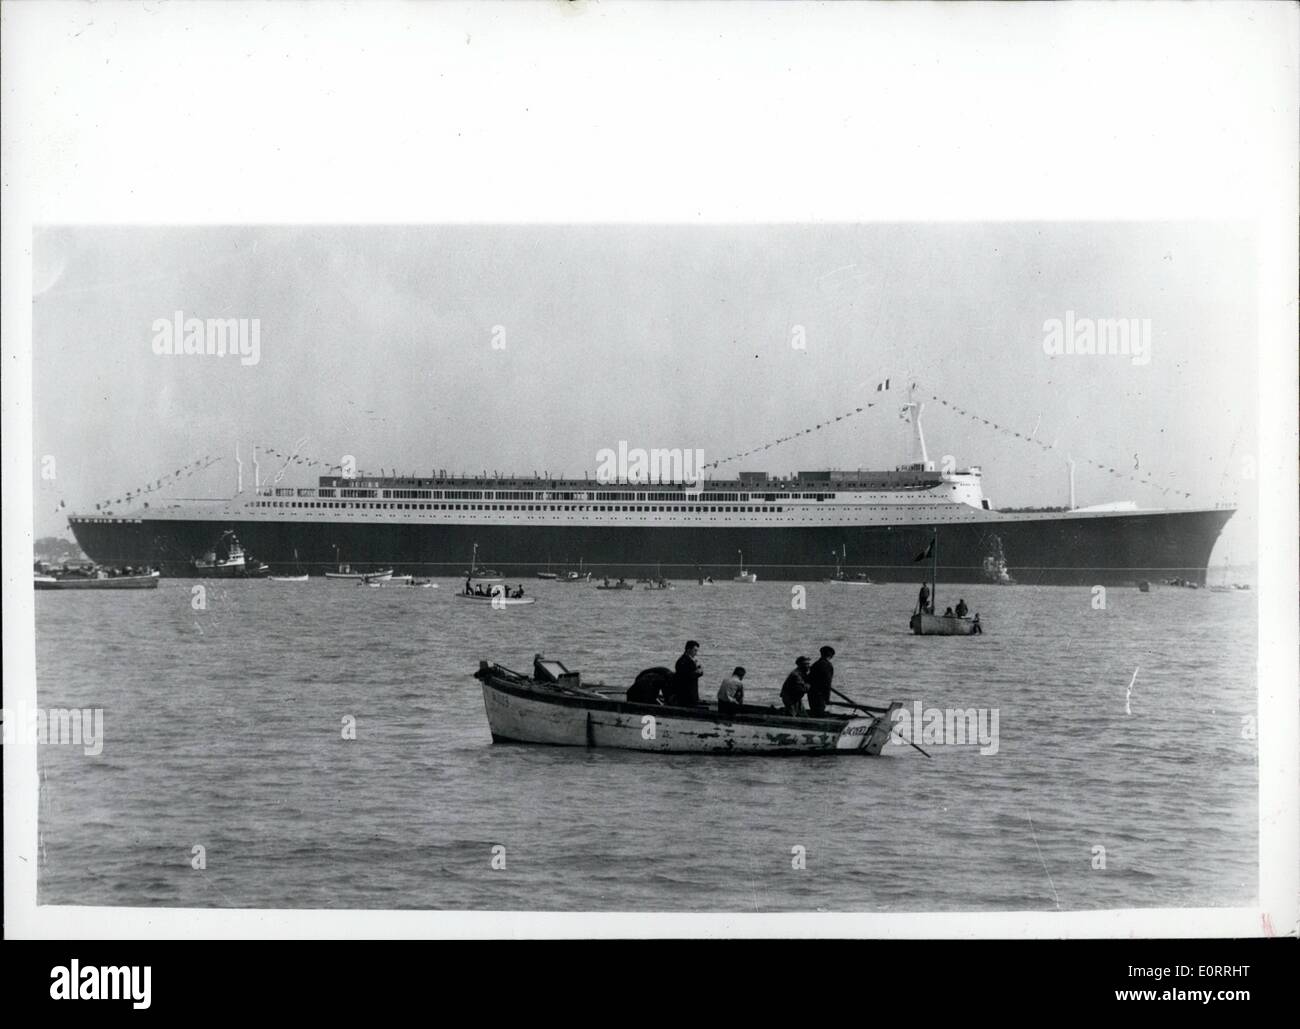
column 371, row 494
column 704, row 509
column 507, row 507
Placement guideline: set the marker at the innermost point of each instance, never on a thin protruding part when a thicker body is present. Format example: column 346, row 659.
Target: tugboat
column 227, row 560
column 744, row 576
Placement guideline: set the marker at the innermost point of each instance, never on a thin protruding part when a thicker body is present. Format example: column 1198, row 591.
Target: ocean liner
column 795, row 528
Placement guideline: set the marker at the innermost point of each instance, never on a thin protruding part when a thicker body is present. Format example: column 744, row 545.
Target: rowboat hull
column 383, row 576
column 524, row 710
column 940, row 625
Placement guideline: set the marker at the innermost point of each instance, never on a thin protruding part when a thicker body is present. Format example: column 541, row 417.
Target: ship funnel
column 239, row 471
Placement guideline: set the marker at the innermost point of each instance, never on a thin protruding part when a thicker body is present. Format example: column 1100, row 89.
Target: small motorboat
column 94, row 578
column 481, row 574
column 554, row 707
column 841, row 578
column 496, row 599
column 287, row 578
column 744, row 576
column 387, row 579
column 346, row 573
column 622, row 584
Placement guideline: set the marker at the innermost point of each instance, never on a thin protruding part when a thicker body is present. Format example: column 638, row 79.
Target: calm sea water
column 223, row 729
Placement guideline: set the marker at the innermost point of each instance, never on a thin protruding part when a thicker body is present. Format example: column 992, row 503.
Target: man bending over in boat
column 819, row 682
column 731, row 694
column 794, row 688
column 686, row 680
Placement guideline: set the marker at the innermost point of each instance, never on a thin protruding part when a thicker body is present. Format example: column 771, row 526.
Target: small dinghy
column 286, row 578
column 552, row 706
column 945, row 625
column 622, row 584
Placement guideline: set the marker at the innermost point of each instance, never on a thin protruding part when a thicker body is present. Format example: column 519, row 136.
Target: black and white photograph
column 642, row 553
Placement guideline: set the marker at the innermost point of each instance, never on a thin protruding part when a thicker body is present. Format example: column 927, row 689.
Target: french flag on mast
column 882, row 386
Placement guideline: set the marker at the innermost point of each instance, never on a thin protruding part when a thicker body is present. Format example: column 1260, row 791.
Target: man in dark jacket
column 794, row 687
column 686, row 679
column 819, row 682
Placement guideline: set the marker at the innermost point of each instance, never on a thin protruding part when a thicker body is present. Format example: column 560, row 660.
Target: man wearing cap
column 794, row 687
column 686, row 677
column 819, row 682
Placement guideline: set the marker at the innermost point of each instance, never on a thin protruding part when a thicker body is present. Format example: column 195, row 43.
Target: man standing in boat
column 686, row 680
column 925, row 599
column 819, row 682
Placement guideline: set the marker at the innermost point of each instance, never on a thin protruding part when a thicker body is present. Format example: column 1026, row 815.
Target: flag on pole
column 882, row 386
column 927, row 552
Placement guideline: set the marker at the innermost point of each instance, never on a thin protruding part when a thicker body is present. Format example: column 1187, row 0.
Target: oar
column 876, row 711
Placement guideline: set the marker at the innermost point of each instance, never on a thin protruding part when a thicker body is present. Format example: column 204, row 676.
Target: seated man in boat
column 795, row 688
column 948, row 613
column 962, row 608
column 685, row 687
column 731, row 694
column 925, row 600
column 819, row 682
column 650, row 686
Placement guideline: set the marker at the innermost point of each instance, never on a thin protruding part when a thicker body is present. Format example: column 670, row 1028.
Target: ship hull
column 1057, row 549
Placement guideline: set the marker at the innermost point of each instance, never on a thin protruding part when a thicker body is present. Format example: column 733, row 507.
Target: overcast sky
column 378, row 342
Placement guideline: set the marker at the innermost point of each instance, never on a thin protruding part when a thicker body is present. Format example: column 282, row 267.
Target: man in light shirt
column 731, row 694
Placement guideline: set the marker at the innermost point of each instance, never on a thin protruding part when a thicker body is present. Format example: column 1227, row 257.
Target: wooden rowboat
column 942, row 625
column 554, row 707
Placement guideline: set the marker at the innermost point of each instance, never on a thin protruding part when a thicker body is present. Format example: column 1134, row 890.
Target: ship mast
column 913, row 408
